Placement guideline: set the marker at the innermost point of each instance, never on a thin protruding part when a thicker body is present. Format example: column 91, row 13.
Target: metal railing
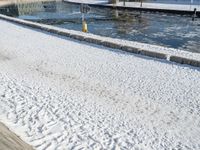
column 188, row 2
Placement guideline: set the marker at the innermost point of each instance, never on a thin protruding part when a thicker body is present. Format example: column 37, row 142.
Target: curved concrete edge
column 183, row 60
column 93, row 40
column 111, row 44
column 131, row 49
column 153, row 54
column 10, row 141
column 100, row 40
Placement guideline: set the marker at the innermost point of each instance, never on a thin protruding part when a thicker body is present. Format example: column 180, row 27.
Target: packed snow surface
column 59, row 93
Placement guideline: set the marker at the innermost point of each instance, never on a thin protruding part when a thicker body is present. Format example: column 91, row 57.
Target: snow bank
column 59, row 93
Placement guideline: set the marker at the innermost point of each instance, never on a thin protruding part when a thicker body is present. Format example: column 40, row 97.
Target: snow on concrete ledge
column 154, row 51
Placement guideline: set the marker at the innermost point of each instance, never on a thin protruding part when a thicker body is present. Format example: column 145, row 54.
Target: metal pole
column 83, row 17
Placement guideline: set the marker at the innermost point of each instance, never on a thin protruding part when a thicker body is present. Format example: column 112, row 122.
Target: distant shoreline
column 10, row 2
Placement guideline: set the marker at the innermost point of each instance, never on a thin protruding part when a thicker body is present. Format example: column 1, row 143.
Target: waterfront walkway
column 180, row 7
column 169, row 8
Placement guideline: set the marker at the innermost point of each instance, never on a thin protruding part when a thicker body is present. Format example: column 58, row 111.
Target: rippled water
column 155, row 28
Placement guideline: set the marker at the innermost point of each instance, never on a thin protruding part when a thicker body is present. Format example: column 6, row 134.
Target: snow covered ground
column 58, row 93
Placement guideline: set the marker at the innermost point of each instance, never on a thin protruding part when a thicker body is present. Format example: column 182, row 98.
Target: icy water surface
column 163, row 29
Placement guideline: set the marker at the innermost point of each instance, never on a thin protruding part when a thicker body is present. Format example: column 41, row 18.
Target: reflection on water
column 10, row 10
column 155, row 28
column 25, row 9
column 127, row 22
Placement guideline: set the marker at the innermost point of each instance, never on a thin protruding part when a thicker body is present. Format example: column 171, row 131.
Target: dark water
column 169, row 30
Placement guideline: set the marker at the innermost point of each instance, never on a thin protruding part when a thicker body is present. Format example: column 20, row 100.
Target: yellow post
column 84, row 26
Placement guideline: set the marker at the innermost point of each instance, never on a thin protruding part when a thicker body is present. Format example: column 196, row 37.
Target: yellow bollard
column 84, row 26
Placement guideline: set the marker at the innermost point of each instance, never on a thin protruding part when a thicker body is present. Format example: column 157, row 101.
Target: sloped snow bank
column 59, row 93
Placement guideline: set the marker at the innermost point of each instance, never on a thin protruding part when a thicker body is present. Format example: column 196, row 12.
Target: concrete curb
column 183, row 60
column 131, row 49
column 111, row 45
column 153, row 54
column 99, row 40
column 92, row 40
